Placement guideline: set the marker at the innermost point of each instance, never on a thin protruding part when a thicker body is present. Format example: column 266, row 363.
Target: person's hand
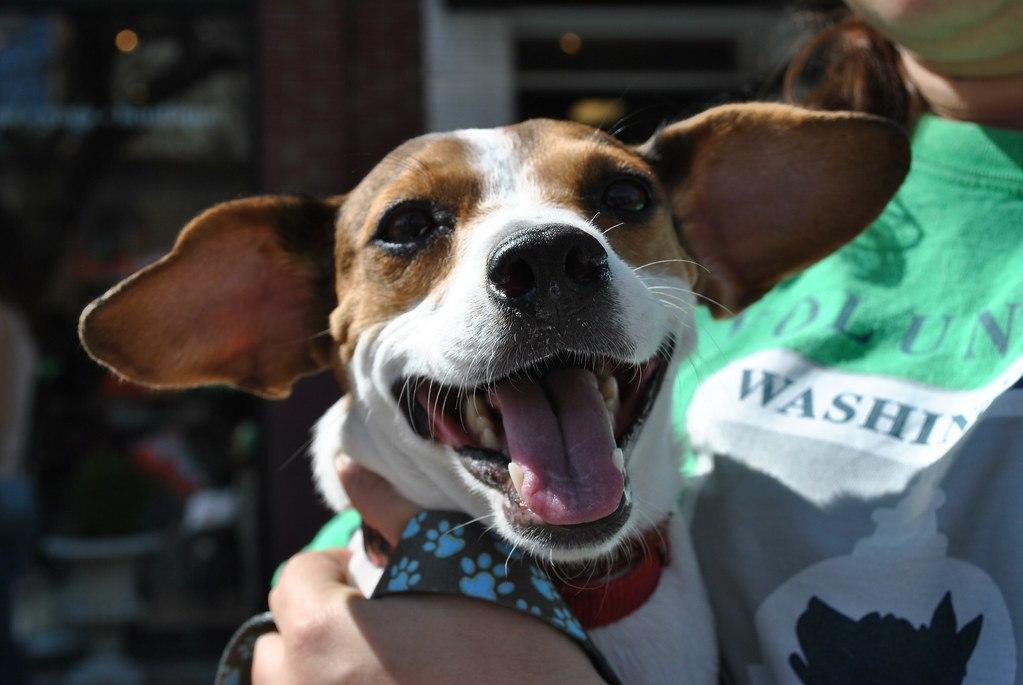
column 329, row 633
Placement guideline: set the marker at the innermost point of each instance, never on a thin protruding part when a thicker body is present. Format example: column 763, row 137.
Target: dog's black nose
column 548, row 269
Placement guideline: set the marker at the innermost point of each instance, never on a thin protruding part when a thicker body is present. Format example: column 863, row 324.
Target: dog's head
column 508, row 302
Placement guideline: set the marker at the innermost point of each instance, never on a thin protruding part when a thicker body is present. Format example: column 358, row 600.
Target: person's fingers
column 268, row 660
column 308, row 583
column 381, row 506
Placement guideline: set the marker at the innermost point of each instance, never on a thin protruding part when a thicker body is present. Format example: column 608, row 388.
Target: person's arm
column 330, row 634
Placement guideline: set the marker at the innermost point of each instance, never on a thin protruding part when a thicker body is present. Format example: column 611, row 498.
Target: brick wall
column 340, row 86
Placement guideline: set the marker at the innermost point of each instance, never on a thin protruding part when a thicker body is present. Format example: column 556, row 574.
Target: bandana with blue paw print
column 445, row 552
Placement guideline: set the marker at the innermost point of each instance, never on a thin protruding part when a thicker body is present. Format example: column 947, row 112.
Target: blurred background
column 137, row 529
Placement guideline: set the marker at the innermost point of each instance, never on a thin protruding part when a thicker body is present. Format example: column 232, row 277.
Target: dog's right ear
column 243, row 299
column 760, row 191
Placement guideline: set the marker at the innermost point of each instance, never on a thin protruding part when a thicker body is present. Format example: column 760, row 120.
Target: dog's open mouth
column 551, row 436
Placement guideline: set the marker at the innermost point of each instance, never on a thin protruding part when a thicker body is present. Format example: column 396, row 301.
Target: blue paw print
column 543, row 584
column 488, row 583
column 523, row 605
column 444, row 542
column 413, row 525
column 564, row 619
column 404, row 576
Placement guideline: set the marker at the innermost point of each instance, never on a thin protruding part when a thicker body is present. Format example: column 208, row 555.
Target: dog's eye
column 406, row 226
column 626, row 195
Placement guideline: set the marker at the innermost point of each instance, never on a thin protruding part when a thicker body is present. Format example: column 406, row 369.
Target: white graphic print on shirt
column 897, row 608
column 909, row 552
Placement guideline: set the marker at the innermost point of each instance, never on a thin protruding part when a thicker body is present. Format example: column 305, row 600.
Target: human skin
column 955, row 37
column 965, row 59
column 329, row 633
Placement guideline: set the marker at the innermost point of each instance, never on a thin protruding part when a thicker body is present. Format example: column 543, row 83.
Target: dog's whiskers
column 670, row 261
column 685, row 309
column 675, row 298
column 295, row 341
column 320, row 334
column 605, row 232
column 653, row 524
column 689, row 292
column 510, row 555
column 294, row 455
column 468, row 523
column 682, row 311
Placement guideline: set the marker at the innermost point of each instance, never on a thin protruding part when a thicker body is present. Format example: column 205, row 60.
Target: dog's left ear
column 761, row 191
column 243, row 299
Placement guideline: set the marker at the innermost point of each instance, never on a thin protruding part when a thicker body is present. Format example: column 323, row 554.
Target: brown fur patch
column 374, row 285
column 240, row 300
column 762, row 191
column 575, row 163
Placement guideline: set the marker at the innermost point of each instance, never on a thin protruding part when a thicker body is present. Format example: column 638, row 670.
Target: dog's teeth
column 591, row 378
column 517, row 476
column 609, row 391
column 489, row 440
column 479, row 424
column 482, row 409
column 477, row 418
column 618, row 458
column 470, row 413
column 609, row 388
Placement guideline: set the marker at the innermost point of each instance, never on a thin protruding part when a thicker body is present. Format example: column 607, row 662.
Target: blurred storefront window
column 116, row 126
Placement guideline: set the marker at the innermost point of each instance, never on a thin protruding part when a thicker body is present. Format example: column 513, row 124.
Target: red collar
column 627, row 586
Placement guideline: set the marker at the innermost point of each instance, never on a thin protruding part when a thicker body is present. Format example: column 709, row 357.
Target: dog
column 506, row 310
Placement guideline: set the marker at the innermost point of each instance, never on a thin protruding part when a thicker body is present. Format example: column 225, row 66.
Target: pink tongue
column 558, row 431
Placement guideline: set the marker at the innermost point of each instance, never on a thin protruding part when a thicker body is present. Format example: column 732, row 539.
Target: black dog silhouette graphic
column 878, row 650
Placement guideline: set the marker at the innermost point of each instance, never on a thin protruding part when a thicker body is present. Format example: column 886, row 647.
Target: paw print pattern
column 543, row 584
column 483, row 581
column 443, row 541
column 523, row 605
column 413, row 526
column 404, row 575
column 444, row 552
column 564, row 619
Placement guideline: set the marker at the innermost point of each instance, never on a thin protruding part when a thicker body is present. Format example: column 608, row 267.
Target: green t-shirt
column 856, row 443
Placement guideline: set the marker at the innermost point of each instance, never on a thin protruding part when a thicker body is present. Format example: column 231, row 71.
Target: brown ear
column 761, row 191
column 241, row 300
